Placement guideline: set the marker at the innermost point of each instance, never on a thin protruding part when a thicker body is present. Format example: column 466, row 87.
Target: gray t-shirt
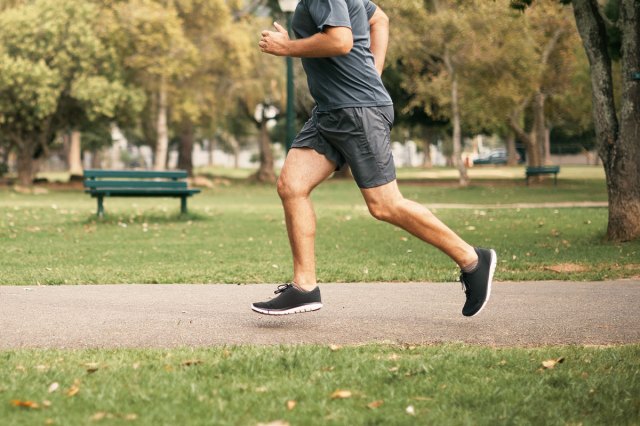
column 341, row 81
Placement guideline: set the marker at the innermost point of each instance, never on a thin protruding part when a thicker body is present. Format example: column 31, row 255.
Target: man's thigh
column 305, row 168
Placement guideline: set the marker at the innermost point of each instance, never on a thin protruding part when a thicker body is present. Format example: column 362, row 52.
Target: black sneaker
column 291, row 300
column 477, row 284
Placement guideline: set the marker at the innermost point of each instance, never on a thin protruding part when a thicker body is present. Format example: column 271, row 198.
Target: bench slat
column 138, row 174
column 158, row 192
column 135, row 184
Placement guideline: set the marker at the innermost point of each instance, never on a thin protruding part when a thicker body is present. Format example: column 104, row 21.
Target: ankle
column 305, row 287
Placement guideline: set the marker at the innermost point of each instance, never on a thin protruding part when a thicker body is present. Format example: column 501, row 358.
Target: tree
column 153, row 41
column 223, row 50
column 56, row 72
column 617, row 126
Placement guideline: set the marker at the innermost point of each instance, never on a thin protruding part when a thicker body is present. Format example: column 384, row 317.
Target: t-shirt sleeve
column 330, row 13
column 370, row 7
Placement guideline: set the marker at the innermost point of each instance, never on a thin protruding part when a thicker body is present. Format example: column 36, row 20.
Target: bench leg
column 100, row 206
column 183, row 205
column 555, row 179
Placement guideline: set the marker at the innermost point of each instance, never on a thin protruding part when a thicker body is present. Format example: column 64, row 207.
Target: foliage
column 58, row 72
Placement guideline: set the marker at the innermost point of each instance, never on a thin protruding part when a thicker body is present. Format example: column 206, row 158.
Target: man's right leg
column 303, row 170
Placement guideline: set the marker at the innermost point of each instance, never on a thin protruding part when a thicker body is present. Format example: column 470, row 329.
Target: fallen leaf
column 335, row 347
column 291, row 404
column 191, row 362
column 46, row 403
column 91, row 367
column 422, row 398
column 98, row 416
column 341, row 394
column 410, row 410
column 551, row 363
column 24, row 404
column 49, row 422
column 130, row 416
column 274, row 423
column 54, row 387
column 375, row 404
column 74, row 389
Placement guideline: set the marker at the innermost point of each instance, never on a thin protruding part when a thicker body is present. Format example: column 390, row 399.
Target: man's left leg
column 386, row 203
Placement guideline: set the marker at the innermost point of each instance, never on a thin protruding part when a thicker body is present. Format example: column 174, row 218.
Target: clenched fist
column 275, row 42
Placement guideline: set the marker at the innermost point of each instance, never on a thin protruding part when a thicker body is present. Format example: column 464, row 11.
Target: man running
column 343, row 44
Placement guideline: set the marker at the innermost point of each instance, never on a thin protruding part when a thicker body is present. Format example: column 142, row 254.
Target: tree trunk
column 185, row 154
column 512, row 154
column 618, row 142
column 265, row 172
column 75, row 154
column 24, row 162
column 539, row 130
column 457, row 133
column 162, row 142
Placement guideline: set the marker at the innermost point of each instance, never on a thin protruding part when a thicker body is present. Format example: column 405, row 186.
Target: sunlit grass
column 381, row 384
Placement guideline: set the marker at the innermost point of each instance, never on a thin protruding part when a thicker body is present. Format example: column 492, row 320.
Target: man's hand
column 275, row 42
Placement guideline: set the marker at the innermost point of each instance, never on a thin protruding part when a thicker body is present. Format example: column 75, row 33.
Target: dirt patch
column 567, row 267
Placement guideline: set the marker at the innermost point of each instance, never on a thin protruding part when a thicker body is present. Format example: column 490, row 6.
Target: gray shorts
column 357, row 136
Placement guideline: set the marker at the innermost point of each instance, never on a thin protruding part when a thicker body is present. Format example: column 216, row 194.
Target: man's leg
column 478, row 265
column 386, row 203
column 303, row 170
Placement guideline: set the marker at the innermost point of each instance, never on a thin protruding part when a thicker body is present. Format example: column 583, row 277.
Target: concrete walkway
column 519, row 314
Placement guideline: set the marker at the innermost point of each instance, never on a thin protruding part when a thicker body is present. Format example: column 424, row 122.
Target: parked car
column 495, row 157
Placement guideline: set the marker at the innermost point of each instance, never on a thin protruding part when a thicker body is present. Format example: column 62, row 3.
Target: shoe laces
column 465, row 287
column 282, row 288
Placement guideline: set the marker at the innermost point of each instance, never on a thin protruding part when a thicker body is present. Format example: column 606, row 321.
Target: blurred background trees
column 170, row 75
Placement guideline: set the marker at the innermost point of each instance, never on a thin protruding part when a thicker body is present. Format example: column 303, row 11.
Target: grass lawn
column 373, row 384
column 236, row 234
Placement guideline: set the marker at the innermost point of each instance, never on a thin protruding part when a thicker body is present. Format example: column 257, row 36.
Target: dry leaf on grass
column 410, row 410
column 24, row 404
column 335, row 347
column 91, row 367
column 341, row 394
column 551, row 363
column 566, row 267
column 74, row 389
column 274, row 423
column 53, row 387
column 291, row 404
column 375, row 404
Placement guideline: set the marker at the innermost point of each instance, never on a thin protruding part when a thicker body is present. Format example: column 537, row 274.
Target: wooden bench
column 137, row 183
column 543, row 170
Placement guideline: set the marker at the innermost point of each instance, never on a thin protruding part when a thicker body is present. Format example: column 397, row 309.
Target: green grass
column 447, row 384
column 236, row 234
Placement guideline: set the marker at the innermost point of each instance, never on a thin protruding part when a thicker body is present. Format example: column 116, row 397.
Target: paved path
column 522, row 314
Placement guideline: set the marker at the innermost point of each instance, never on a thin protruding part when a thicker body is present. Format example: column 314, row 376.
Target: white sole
column 492, row 269
column 297, row 310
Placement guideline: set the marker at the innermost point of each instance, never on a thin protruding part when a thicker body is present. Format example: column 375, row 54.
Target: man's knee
column 288, row 188
column 383, row 211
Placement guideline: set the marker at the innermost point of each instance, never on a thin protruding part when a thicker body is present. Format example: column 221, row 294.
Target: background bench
column 543, row 170
column 137, row 183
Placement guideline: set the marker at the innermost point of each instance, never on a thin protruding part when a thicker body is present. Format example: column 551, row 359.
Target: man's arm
column 379, row 24
column 332, row 41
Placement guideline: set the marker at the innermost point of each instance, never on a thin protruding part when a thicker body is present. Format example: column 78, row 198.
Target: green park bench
column 543, row 170
column 137, row 183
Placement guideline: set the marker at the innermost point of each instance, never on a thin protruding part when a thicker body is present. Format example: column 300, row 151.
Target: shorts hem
column 376, row 183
